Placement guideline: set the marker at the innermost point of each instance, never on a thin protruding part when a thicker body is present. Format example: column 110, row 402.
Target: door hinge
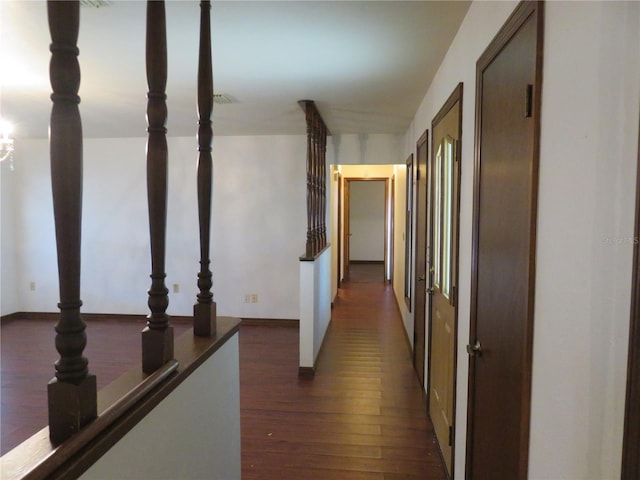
column 450, row 435
column 417, row 174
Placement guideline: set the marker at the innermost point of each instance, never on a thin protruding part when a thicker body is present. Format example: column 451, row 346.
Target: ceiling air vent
column 222, row 98
column 95, row 3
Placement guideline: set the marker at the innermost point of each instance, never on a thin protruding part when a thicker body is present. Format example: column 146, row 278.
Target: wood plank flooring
column 361, row 417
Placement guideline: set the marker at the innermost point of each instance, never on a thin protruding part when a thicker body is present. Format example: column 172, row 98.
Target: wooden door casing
column 347, row 233
column 420, row 255
column 509, row 82
column 631, row 439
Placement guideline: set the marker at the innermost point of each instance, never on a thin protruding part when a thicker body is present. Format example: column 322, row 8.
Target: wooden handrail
column 122, row 405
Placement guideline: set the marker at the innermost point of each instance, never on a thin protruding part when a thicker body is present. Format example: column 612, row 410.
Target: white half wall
column 588, row 157
column 315, row 306
column 258, row 227
column 194, row 433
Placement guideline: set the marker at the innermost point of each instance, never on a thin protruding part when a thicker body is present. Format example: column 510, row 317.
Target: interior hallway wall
column 8, row 209
column 258, row 227
column 585, row 226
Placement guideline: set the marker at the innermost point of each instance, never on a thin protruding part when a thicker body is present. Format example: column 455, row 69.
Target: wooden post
column 204, row 311
column 157, row 337
column 72, row 393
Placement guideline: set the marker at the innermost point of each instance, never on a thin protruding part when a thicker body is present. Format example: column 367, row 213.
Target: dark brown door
column 503, row 266
column 420, row 270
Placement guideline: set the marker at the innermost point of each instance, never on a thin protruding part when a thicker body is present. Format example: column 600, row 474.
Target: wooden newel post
column 72, row 393
column 204, row 311
column 157, row 337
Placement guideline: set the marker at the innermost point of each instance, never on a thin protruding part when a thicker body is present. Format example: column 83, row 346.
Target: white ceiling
column 366, row 64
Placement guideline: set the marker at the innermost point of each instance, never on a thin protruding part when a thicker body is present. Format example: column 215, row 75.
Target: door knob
column 432, row 270
column 422, row 278
column 430, row 290
column 475, row 350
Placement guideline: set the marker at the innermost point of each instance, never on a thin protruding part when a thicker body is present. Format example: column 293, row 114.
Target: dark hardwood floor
column 362, row 416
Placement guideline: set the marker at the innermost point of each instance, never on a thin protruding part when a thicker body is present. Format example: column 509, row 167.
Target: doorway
column 509, row 78
column 443, row 246
column 367, row 224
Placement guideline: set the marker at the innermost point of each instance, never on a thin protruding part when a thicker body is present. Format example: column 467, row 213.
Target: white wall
column 201, row 441
column 8, row 280
column 585, row 226
column 315, row 306
column 374, row 149
column 258, row 227
column 367, row 220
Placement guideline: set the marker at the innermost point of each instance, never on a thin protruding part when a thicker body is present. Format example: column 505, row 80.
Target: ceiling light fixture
column 6, row 142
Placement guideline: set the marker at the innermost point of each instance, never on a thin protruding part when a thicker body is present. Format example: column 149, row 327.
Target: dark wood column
column 204, row 311
column 316, row 179
column 72, row 393
column 157, row 337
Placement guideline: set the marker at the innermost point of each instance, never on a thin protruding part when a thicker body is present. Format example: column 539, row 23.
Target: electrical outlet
column 32, row 286
column 176, row 288
column 247, row 298
column 254, row 298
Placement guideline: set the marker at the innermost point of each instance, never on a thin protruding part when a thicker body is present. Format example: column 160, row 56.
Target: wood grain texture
column 363, row 414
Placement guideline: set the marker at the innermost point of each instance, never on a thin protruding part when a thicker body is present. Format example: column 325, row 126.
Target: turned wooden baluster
column 204, row 311
column 157, row 337
column 72, row 393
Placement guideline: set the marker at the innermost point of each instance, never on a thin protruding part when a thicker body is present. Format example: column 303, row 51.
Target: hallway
column 362, row 416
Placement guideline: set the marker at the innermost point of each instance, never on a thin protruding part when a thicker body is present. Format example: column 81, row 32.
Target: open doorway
column 368, row 238
column 366, row 230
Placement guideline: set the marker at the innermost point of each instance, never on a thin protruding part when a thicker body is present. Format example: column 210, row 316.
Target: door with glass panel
column 445, row 187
